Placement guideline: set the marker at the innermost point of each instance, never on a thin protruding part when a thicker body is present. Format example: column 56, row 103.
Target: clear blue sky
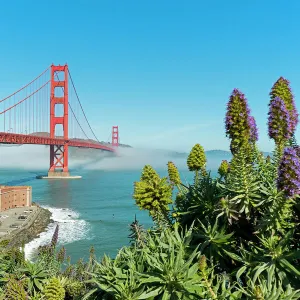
column 162, row 70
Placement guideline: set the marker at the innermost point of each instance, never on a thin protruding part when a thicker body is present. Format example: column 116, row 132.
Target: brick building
column 15, row 196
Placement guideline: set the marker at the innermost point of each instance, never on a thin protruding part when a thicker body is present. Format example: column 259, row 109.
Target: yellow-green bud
column 223, row 203
column 224, row 168
column 173, row 173
column 153, row 194
column 258, row 293
column 148, row 174
column 202, row 263
column 196, row 160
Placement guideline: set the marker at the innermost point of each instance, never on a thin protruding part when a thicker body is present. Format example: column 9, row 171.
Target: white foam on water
column 71, row 229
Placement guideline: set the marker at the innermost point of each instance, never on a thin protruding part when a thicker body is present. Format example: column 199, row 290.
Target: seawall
column 30, row 230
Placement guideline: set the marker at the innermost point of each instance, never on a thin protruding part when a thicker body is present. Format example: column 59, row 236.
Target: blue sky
column 161, row 70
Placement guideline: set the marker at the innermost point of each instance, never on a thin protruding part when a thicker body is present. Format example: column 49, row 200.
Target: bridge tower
column 115, row 136
column 59, row 153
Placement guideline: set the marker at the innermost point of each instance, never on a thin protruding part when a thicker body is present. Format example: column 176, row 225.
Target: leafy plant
column 54, row 290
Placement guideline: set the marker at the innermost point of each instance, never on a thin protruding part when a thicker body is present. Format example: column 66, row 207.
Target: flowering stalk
column 148, row 174
column 173, row 173
column 55, row 236
column 279, row 123
column 196, row 161
column 239, row 124
column 153, row 193
column 282, row 89
column 289, row 173
column 224, row 168
column 253, row 129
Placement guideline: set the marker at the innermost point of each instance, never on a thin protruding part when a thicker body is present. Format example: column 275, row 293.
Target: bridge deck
column 14, row 138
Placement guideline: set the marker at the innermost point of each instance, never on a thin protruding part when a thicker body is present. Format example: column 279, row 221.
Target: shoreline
column 30, row 229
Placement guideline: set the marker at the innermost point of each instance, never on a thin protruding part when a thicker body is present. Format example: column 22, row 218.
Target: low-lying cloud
column 34, row 157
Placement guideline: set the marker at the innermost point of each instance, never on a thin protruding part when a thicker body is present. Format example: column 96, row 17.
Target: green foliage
column 166, row 268
column 15, row 290
column 277, row 212
column 54, row 290
column 35, row 275
column 243, row 184
column 198, row 201
column 75, row 289
column 270, row 289
column 215, row 243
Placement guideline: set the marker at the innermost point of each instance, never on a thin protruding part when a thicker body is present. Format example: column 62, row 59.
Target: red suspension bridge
column 47, row 112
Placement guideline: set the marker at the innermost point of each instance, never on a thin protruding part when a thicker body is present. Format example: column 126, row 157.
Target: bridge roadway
column 14, row 138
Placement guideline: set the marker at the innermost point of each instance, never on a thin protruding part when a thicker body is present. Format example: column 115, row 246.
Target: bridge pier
column 59, row 175
column 59, row 154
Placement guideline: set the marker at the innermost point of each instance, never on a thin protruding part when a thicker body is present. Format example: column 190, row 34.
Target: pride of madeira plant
column 246, row 220
column 234, row 235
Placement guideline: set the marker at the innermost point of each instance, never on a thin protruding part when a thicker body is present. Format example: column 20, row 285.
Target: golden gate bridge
column 48, row 111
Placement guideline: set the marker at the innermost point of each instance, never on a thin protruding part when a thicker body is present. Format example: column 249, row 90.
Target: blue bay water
column 93, row 211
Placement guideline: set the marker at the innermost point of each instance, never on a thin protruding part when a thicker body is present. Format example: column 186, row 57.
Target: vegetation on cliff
column 235, row 236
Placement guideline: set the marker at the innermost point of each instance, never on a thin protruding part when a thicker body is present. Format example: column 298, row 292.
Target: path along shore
column 21, row 225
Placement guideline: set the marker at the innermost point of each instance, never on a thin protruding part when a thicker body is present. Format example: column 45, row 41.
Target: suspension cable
column 72, row 110
column 24, row 99
column 24, row 86
column 82, row 107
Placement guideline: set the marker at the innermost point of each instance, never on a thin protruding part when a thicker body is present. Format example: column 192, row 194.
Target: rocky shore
column 31, row 229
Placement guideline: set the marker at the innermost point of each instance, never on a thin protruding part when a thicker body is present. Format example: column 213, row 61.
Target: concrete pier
column 58, row 175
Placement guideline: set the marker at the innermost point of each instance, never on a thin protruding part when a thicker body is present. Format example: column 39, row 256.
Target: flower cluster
column 239, row 124
column 282, row 89
column 280, row 129
column 152, row 193
column 196, row 160
column 224, row 168
column 55, row 236
column 148, row 173
column 289, row 173
column 253, row 129
column 297, row 149
column 61, row 255
column 173, row 173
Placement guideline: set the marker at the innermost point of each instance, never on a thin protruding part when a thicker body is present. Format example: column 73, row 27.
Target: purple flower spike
column 239, row 124
column 279, row 122
column 282, row 89
column 289, row 173
column 253, row 129
column 294, row 116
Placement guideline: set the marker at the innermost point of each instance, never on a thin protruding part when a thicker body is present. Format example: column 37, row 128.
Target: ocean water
column 93, row 211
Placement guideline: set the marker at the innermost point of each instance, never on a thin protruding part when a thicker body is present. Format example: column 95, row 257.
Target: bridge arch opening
column 59, row 110
column 59, row 130
column 58, row 91
column 59, row 75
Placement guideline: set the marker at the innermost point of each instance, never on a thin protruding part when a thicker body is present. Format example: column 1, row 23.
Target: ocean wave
column 71, row 229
